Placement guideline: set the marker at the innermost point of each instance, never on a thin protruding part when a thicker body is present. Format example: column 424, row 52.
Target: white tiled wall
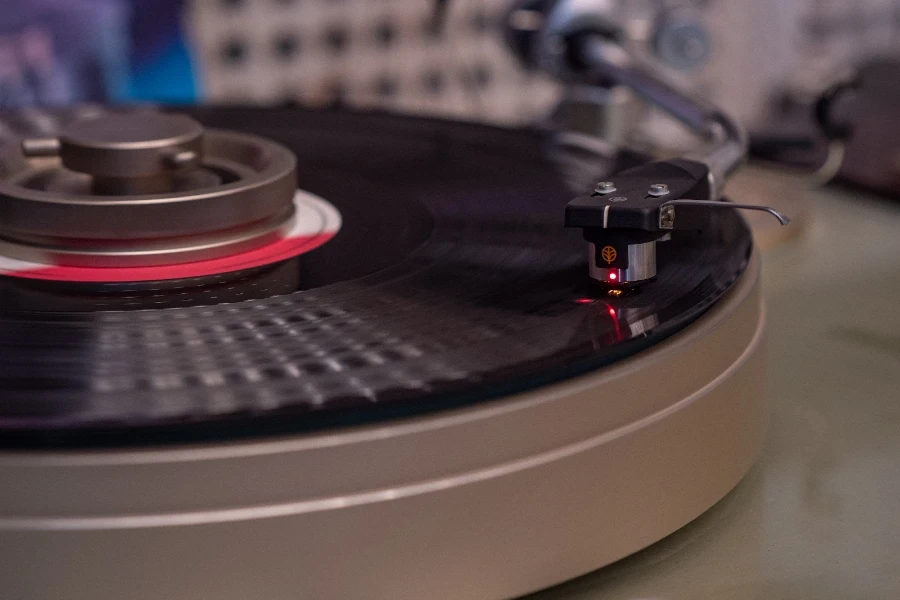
column 758, row 46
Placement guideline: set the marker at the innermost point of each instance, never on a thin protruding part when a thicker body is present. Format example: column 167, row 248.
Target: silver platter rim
column 491, row 501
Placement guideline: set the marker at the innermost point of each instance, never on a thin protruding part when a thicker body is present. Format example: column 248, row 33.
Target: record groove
column 452, row 281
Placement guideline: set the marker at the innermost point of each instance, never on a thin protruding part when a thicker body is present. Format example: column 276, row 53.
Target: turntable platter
column 450, row 282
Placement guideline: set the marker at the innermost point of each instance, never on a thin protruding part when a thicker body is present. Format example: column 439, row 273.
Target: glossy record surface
column 451, row 282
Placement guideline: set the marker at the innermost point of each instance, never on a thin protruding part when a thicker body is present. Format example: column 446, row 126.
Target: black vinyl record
column 451, row 282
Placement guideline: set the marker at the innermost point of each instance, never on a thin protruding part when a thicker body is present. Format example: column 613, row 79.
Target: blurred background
column 751, row 57
column 767, row 62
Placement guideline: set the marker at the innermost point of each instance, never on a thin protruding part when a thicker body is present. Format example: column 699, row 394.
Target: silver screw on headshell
column 40, row 147
column 658, row 189
column 605, row 187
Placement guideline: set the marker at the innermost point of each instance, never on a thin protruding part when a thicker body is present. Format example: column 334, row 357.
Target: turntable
column 400, row 377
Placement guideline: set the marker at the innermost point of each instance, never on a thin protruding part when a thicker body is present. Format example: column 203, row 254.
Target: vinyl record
column 451, row 281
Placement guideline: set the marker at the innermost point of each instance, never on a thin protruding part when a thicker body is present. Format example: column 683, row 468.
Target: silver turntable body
column 492, row 498
column 489, row 502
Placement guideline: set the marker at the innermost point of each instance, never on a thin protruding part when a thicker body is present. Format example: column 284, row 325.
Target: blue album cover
column 56, row 52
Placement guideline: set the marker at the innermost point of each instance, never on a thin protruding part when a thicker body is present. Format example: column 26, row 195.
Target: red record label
column 315, row 222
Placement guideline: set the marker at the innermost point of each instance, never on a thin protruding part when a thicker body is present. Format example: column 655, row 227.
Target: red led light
column 614, row 318
column 613, row 276
column 583, row 300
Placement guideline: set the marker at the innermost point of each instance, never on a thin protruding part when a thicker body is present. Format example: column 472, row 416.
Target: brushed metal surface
column 484, row 502
column 265, row 186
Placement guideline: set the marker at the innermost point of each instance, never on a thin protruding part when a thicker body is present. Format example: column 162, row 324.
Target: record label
column 315, row 222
